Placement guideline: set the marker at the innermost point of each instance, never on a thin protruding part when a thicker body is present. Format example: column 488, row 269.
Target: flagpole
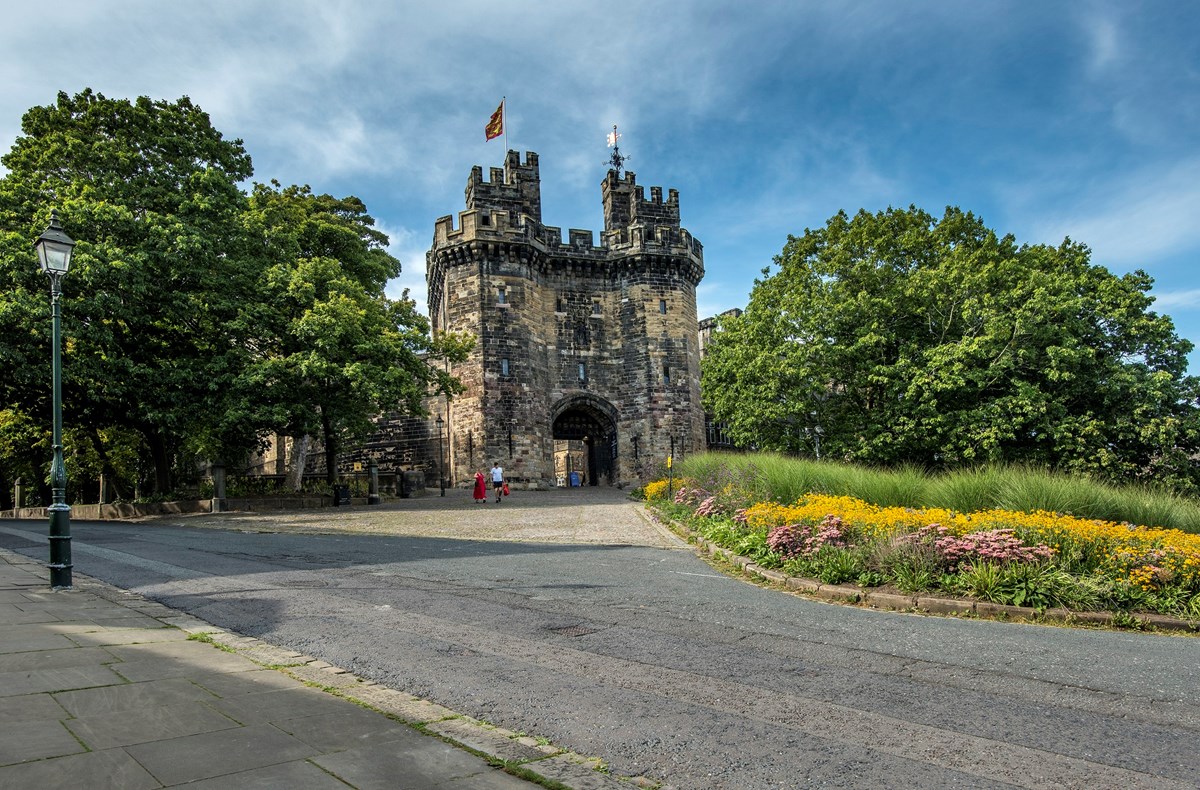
column 504, row 122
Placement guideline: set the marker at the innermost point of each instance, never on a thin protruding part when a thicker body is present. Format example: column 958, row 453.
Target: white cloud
column 1131, row 218
column 1105, row 45
column 1176, row 301
column 407, row 246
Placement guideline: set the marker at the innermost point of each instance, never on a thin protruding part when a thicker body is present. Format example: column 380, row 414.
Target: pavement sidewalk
column 101, row 688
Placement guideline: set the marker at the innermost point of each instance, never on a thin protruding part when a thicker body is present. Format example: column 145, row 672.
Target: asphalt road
column 645, row 656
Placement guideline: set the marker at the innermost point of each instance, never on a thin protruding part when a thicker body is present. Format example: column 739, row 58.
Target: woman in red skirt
column 480, row 488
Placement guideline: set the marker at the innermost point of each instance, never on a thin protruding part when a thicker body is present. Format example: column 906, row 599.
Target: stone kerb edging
column 853, row 594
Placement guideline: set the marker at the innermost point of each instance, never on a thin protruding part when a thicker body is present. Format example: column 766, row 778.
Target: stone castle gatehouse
column 583, row 350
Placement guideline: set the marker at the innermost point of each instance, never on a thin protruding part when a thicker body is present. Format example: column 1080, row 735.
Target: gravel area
column 601, row 516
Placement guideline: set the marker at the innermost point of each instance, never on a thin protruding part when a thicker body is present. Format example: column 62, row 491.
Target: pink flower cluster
column 690, row 496
column 708, row 507
column 996, row 545
column 802, row 540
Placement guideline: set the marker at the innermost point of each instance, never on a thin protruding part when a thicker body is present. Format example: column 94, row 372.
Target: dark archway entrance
column 589, row 420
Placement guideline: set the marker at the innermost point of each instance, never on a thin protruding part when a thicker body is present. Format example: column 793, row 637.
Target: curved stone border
column 923, row 604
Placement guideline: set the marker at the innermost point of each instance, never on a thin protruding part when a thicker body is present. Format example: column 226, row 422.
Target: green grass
column 756, row 477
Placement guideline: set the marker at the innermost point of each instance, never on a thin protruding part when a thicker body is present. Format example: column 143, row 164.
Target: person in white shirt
column 497, row 480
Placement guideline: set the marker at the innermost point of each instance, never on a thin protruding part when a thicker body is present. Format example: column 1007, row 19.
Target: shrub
column 993, row 545
column 802, row 540
column 655, row 490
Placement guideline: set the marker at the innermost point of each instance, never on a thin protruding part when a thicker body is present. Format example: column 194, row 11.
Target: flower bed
column 1026, row 559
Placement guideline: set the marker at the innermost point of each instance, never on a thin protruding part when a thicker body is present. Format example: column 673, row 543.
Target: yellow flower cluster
column 1140, row 555
column 869, row 521
column 655, row 490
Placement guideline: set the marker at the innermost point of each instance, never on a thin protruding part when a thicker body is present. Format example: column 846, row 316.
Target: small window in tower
column 596, row 308
column 582, row 372
column 504, row 367
column 662, row 306
column 485, row 219
column 501, row 296
column 666, row 374
column 559, row 306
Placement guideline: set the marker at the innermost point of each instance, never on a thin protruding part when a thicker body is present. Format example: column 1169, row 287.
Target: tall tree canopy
column 894, row 337
column 196, row 317
column 149, row 190
column 331, row 351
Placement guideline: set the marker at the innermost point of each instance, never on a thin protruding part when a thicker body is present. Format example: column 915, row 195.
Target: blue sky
column 1047, row 119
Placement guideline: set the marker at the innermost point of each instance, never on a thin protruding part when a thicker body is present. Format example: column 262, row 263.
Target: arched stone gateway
column 590, row 421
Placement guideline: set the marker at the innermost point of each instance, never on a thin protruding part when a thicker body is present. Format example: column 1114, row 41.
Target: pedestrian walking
column 498, row 480
column 480, row 488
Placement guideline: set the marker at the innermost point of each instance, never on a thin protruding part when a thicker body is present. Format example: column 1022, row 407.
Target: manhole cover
column 575, row 630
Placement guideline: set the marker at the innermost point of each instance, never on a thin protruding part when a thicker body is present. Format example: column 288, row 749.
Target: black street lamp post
column 441, row 457
column 54, row 248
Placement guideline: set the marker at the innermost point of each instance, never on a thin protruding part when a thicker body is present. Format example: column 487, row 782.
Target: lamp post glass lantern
column 54, row 248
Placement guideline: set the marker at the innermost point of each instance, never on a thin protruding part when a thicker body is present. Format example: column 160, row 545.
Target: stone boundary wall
column 132, row 511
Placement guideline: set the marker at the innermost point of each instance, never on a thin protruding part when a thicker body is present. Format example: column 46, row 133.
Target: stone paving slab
column 24, row 638
column 54, row 659
column 29, row 707
column 290, row 776
column 345, row 729
column 393, row 767
column 112, row 769
column 127, row 728
column 35, row 740
column 179, row 760
column 14, row 684
column 123, row 696
column 279, row 705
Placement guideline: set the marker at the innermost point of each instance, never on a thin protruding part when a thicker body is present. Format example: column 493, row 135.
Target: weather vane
column 616, row 161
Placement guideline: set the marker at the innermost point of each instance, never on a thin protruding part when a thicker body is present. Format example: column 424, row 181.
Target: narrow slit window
column 559, row 307
column 596, row 308
column 501, row 296
column 666, row 374
column 582, row 372
column 504, row 367
column 662, row 306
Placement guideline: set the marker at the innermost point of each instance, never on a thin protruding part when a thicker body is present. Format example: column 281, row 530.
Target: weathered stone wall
column 573, row 338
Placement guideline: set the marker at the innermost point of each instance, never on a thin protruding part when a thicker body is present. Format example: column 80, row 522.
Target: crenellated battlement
column 500, row 226
column 507, row 208
column 515, row 188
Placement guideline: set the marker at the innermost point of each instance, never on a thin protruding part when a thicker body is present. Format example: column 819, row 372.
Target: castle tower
column 593, row 345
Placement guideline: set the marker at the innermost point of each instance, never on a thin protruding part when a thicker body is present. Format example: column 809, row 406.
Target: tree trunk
column 331, row 449
column 161, row 458
column 297, row 460
column 115, row 489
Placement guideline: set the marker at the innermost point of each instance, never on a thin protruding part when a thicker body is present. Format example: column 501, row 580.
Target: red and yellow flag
column 495, row 126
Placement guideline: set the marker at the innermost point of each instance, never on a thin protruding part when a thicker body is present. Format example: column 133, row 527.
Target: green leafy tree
column 897, row 338
column 331, row 351
column 149, row 191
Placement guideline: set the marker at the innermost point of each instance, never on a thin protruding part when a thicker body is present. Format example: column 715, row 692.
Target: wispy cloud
column 1176, row 301
column 1132, row 217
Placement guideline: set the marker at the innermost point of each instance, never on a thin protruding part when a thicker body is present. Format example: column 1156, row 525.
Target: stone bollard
column 17, row 494
column 217, row 471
